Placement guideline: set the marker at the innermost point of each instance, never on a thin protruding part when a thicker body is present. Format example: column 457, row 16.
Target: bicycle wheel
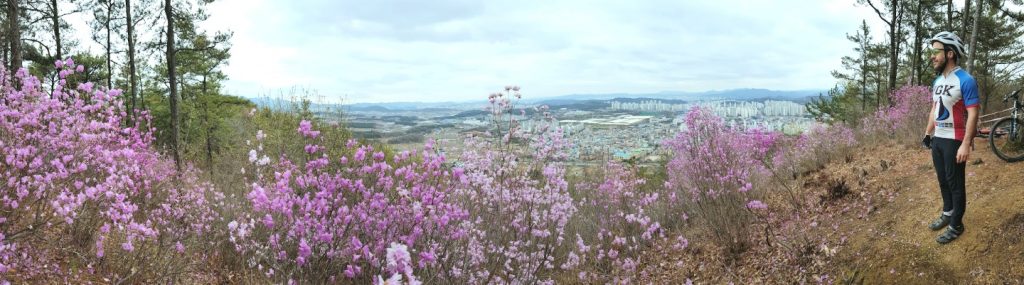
column 1007, row 139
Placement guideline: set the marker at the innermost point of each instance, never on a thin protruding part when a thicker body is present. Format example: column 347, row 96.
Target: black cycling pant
column 951, row 178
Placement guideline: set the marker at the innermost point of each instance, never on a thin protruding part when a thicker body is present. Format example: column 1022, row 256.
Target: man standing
column 953, row 121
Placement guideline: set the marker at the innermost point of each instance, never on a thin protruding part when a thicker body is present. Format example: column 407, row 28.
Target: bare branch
column 880, row 15
column 1018, row 16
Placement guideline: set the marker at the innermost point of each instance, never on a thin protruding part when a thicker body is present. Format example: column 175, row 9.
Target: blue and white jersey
column 952, row 95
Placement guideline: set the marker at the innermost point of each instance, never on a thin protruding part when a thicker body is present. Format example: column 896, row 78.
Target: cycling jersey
column 951, row 96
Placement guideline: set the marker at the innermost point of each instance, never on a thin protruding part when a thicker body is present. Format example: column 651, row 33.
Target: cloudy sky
column 411, row 50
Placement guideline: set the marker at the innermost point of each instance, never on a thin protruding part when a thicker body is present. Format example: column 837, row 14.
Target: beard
column 941, row 66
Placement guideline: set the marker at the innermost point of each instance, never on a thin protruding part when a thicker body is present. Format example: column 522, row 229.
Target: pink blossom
column 78, row 162
column 306, row 129
column 757, row 205
column 398, row 258
column 303, row 252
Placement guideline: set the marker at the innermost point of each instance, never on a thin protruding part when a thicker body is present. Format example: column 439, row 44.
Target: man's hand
column 927, row 141
column 964, row 153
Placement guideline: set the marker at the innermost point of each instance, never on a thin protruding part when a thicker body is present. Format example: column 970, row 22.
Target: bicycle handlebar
column 1014, row 95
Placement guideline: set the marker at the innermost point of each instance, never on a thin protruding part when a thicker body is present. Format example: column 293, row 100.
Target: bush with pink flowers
column 713, row 174
column 905, row 119
column 324, row 218
column 84, row 195
column 515, row 191
column 615, row 225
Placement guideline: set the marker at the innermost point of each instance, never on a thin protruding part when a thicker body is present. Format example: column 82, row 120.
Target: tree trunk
column 965, row 18
column 864, row 74
column 895, row 30
column 894, row 45
column 208, row 127
column 133, row 80
column 974, row 37
column 5, row 48
column 949, row 15
column 916, row 61
column 110, row 71
column 172, row 83
column 55, row 20
column 984, row 99
column 864, row 91
column 14, row 34
column 878, row 98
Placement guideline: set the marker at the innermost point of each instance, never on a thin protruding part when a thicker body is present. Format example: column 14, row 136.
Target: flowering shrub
column 812, row 149
column 78, row 187
column 323, row 216
column 910, row 106
column 515, row 190
column 399, row 264
column 614, row 227
column 83, row 195
column 715, row 168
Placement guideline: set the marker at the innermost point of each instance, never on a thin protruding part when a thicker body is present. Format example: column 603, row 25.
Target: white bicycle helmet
column 950, row 39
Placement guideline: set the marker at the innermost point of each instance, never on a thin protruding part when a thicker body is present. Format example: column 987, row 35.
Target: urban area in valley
column 618, row 128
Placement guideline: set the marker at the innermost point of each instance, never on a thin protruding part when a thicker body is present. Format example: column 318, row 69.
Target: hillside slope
column 876, row 232
column 893, row 244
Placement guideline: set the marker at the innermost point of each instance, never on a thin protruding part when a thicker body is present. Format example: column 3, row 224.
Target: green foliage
column 996, row 59
column 999, row 58
column 839, row 105
column 218, row 131
column 865, row 67
column 94, row 70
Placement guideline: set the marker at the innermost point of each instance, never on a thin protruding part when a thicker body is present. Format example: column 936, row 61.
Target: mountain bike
column 1006, row 137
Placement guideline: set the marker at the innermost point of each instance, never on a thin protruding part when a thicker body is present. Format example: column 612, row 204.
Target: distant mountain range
column 732, row 94
column 747, row 94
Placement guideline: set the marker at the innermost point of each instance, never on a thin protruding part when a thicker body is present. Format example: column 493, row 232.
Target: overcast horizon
column 408, row 51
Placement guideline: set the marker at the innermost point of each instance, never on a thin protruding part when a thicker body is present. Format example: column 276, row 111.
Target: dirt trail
column 893, row 244
column 881, row 227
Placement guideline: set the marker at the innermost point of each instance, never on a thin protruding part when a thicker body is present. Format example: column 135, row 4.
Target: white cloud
column 408, row 50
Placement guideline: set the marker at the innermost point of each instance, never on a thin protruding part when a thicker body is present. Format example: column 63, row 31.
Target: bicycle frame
column 1016, row 107
column 1010, row 127
column 1013, row 112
